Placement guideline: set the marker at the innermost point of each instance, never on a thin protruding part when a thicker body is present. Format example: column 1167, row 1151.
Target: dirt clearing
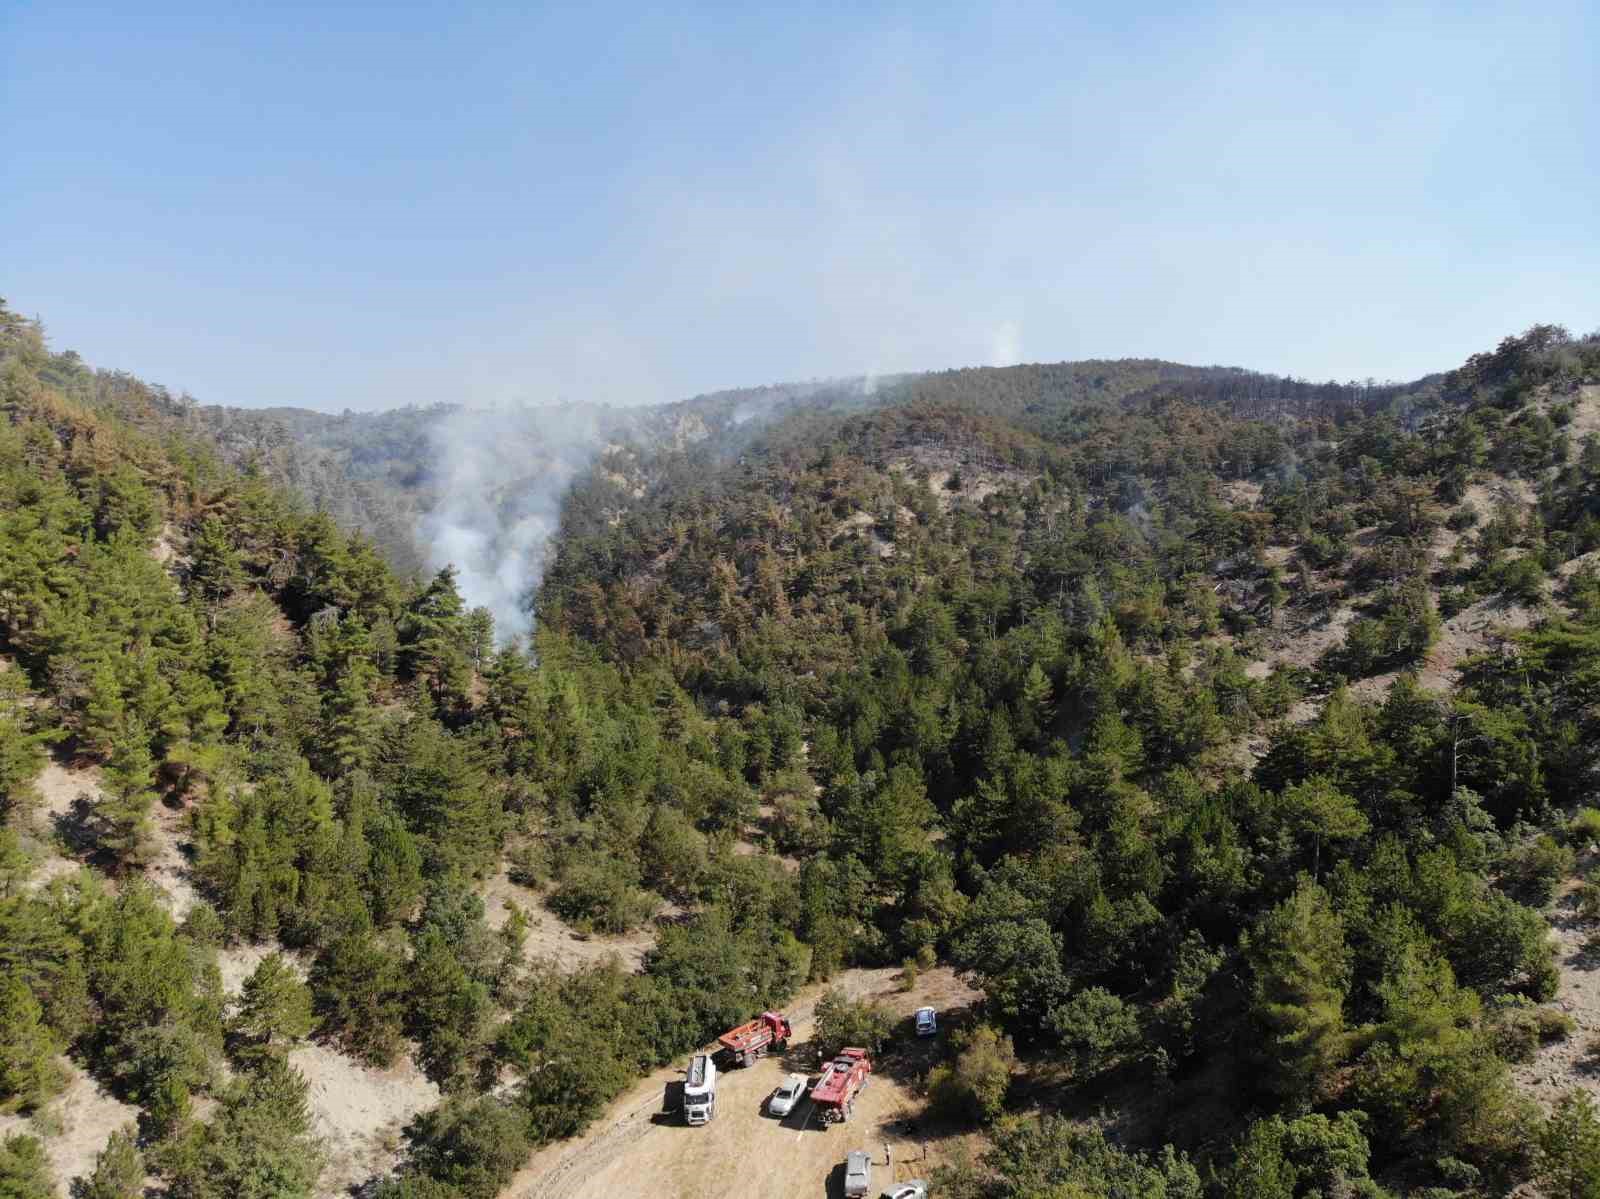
column 359, row 1112
column 86, row 1117
column 633, row 1152
column 1561, row 1066
column 550, row 939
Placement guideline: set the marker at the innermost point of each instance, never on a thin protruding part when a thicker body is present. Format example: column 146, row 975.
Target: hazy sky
column 365, row 205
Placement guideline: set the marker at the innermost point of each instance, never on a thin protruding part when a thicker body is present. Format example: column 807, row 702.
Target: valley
column 1212, row 750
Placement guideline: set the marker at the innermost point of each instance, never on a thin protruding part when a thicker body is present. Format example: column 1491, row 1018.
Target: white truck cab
column 700, row 1090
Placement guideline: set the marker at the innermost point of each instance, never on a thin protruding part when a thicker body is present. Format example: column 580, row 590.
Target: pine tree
column 104, row 709
column 1299, row 964
column 432, row 636
column 274, row 1006
column 394, row 869
column 28, row 1047
column 25, row 1170
column 215, row 569
column 124, row 812
column 350, row 721
column 22, row 744
column 259, row 1146
column 1568, row 1160
column 119, row 1170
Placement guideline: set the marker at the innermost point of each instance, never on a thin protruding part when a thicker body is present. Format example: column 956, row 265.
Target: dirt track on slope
column 633, row 1153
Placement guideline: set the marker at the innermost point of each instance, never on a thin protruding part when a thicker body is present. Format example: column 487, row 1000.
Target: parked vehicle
column 927, row 1022
column 857, row 1174
column 842, row 1080
column 700, row 1090
column 789, row 1093
column 750, row 1041
column 915, row 1189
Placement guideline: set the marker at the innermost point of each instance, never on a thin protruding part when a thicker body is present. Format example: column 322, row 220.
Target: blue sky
column 352, row 205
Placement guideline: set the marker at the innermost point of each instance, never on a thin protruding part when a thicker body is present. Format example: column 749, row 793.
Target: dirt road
column 635, row 1153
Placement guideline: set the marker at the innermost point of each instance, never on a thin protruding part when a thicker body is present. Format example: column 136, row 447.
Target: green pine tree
column 124, row 813
column 28, row 1047
column 119, row 1171
column 1299, row 966
column 25, row 1170
column 274, row 1006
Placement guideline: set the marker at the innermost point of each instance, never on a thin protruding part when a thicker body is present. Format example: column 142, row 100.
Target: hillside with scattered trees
column 1233, row 736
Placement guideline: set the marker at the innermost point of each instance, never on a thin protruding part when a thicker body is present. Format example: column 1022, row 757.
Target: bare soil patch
column 359, row 1112
column 1240, row 493
column 550, row 939
column 87, row 1116
column 1564, row 1065
column 169, row 868
column 1304, row 644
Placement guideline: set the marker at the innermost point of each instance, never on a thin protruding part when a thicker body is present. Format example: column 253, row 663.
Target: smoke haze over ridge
column 500, row 478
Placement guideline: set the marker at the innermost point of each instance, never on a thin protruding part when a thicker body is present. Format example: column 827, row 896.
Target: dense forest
column 1126, row 690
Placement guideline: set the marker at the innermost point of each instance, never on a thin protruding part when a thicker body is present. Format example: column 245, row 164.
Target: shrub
column 1589, row 901
column 1516, row 1034
column 1522, row 580
column 1554, row 1024
column 1094, row 1026
column 974, row 1086
column 1454, row 600
column 798, row 825
column 842, row 1021
column 908, row 974
column 596, row 895
column 1531, row 872
column 471, row 1147
column 529, row 865
column 1584, row 828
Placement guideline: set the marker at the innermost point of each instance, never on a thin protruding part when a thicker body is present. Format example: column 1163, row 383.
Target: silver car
column 857, row 1174
column 927, row 1022
column 790, row 1091
column 915, row 1189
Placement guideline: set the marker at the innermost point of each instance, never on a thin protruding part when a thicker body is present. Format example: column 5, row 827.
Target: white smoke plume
column 499, row 478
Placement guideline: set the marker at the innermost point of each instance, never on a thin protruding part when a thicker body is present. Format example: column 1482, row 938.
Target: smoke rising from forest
column 500, row 475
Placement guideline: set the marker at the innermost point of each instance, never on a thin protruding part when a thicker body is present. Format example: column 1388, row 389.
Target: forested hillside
column 1232, row 736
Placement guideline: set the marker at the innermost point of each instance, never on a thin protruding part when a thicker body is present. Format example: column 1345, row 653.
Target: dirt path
column 627, row 1154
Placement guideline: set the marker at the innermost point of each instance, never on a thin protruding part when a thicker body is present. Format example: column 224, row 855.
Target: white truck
column 700, row 1090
